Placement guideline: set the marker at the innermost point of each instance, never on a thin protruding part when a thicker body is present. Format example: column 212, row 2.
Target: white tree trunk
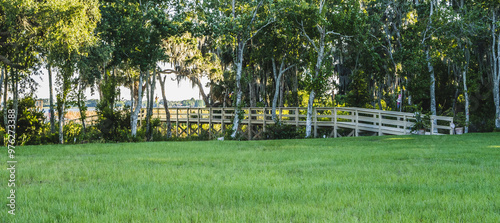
column 466, row 95
column 151, row 105
column 277, row 80
column 309, row 114
column 239, row 66
column 432, row 87
column 51, row 103
column 5, row 97
column 61, row 126
column 496, row 98
column 496, row 70
column 165, row 105
column 15, row 97
column 135, row 114
column 317, row 70
column 1, row 85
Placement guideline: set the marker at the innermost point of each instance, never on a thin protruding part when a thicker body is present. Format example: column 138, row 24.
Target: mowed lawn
column 364, row 179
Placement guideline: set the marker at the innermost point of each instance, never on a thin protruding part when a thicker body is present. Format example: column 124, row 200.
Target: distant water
column 47, row 110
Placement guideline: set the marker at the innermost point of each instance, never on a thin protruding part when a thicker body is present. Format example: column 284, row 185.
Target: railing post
column 199, row 129
column 249, row 125
column 379, row 123
column 452, row 127
column 280, row 117
column 188, row 124
column 296, row 117
column 432, row 124
column 210, row 123
column 140, row 117
column 264, row 120
column 356, row 130
column 177, row 122
column 405, row 124
column 335, row 122
column 315, row 122
column 222, row 121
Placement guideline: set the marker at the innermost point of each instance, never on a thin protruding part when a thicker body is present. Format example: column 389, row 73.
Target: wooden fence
column 331, row 121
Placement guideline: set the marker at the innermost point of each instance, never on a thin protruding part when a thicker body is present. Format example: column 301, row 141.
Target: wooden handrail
column 322, row 116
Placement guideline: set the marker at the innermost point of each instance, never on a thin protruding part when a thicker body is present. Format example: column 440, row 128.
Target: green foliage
column 71, row 132
column 112, row 121
column 29, row 123
column 422, row 121
column 281, row 131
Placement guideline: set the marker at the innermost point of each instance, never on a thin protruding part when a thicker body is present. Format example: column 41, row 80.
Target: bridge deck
column 255, row 120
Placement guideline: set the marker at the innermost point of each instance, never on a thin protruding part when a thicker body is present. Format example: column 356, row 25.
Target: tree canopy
column 441, row 55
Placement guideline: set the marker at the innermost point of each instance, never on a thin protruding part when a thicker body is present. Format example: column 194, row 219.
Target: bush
column 71, row 132
column 29, row 123
column 280, row 131
column 112, row 124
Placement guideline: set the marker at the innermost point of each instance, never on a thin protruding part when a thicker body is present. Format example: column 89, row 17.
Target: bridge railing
column 358, row 119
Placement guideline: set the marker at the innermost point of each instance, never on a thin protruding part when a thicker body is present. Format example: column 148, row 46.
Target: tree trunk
column 135, row 114
column 62, row 102
column 51, row 103
column 5, row 97
column 496, row 98
column 309, row 114
column 317, row 69
column 81, row 105
column 132, row 90
column 202, row 92
column 295, row 89
column 2, row 76
column 466, row 95
column 165, row 105
column 282, row 93
column 264, row 90
column 15, row 94
column 277, row 79
column 379, row 97
column 251, row 88
column 61, row 124
column 148, row 117
column 239, row 66
column 278, row 88
column 496, row 71
column 432, row 86
column 150, row 106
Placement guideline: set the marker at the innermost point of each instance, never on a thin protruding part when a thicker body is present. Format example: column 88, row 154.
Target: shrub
column 29, row 123
column 280, row 131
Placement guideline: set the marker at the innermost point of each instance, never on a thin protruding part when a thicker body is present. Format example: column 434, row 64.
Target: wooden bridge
column 326, row 121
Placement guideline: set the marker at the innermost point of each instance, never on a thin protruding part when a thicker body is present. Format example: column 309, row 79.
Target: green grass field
column 365, row 179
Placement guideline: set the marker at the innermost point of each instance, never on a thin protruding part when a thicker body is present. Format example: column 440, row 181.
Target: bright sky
column 173, row 91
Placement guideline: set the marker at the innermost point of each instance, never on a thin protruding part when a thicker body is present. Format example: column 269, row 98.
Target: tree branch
column 338, row 34
column 288, row 68
column 9, row 63
column 307, row 36
column 256, row 32
column 255, row 13
column 168, row 71
column 321, row 4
